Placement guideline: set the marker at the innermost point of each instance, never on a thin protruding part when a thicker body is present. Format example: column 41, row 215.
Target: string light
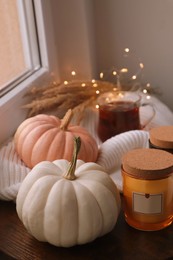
column 126, row 50
column 73, row 73
column 141, row 65
column 114, row 72
column 101, row 75
column 124, row 70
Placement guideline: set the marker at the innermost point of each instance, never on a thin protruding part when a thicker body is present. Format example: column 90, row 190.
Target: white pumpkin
column 66, row 206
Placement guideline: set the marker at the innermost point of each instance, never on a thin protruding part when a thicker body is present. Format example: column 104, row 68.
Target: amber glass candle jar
column 161, row 138
column 148, row 188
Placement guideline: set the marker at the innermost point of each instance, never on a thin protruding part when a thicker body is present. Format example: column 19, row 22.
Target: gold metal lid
column 148, row 163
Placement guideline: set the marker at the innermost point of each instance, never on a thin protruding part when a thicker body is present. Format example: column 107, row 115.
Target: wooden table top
column 124, row 242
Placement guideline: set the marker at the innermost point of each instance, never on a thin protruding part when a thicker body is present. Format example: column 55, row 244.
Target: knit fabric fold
column 13, row 170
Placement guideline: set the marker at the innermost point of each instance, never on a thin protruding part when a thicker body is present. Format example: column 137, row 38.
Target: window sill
column 11, row 112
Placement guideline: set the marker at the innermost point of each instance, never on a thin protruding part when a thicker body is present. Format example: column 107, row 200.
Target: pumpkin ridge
column 27, row 158
column 93, row 147
column 68, row 145
column 102, row 187
column 27, row 122
column 32, row 188
column 22, row 132
column 82, row 177
column 56, row 143
column 46, row 135
column 62, row 183
column 87, row 149
column 94, row 234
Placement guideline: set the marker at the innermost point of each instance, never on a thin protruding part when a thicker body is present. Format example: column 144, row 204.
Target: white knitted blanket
column 13, row 170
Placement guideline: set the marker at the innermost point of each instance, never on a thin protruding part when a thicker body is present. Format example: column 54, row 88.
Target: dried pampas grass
column 57, row 98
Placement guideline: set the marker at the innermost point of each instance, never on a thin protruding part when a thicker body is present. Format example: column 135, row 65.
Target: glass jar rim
column 113, row 96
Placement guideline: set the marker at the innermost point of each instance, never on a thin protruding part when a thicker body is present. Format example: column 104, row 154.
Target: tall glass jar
column 148, row 188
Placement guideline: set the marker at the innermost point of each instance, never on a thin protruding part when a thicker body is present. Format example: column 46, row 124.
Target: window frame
column 11, row 112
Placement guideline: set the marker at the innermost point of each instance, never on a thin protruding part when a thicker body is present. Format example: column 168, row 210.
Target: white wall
column 91, row 34
column 73, row 26
column 146, row 27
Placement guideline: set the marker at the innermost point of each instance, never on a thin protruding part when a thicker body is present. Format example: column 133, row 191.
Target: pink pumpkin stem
column 70, row 174
column 66, row 120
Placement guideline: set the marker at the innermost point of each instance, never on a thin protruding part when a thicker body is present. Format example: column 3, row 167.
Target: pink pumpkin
column 48, row 138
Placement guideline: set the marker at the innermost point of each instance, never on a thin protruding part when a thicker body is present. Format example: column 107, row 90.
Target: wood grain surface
column 124, row 242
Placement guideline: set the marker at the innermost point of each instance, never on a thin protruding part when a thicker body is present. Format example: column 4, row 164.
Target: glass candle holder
column 161, row 138
column 148, row 188
column 120, row 112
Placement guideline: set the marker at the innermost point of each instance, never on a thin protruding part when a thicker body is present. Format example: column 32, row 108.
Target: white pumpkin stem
column 66, row 119
column 70, row 174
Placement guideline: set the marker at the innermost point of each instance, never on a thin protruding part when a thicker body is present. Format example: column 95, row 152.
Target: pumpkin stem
column 66, row 119
column 70, row 174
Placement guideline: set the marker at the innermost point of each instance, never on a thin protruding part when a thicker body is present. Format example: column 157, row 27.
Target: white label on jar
column 147, row 203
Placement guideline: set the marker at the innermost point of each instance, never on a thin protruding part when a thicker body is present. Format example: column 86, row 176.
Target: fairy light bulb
column 124, row 70
column 141, row 65
column 126, row 50
column 101, row 75
column 145, row 91
column 134, row 77
column 73, row 73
